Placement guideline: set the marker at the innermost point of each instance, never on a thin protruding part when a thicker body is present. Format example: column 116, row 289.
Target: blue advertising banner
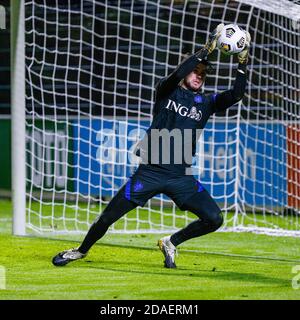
column 103, row 154
column 263, row 169
column 258, row 171
column 103, row 159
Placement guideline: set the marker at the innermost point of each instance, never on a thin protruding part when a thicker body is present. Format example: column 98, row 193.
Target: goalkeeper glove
column 243, row 55
column 213, row 38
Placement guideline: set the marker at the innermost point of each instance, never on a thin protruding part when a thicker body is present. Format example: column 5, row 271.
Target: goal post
column 18, row 117
column 88, row 90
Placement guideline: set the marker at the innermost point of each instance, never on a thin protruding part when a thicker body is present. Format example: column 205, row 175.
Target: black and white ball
column 232, row 39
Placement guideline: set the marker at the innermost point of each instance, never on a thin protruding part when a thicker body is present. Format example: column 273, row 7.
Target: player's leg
column 209, row 214
column 115, row 210
column 117, row 207
column 190, row 195
column 142, row 186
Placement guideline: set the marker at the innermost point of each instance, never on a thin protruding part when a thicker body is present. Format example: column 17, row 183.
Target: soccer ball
column 232, row 39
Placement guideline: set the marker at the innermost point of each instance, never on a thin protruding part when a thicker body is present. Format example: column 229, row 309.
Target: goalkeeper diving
column 180, row 105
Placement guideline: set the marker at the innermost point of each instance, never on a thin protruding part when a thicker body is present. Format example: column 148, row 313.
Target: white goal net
column 91, row 70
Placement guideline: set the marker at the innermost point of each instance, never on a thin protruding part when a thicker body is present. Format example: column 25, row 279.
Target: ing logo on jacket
column 183, row 111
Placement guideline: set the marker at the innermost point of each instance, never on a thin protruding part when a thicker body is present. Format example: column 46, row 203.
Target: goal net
column 91, row 70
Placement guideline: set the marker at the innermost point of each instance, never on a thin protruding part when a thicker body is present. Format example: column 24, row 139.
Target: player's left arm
column 226, row 99
column 166, row 85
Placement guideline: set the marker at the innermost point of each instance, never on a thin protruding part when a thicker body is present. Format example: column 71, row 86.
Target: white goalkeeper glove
column 243, row 55
column 213, row 38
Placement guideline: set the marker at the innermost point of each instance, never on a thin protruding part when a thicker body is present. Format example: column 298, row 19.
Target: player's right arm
column 168, row 84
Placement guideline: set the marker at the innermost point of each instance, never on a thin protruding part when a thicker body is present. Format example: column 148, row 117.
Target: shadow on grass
column 185, row 251
column 184, row 273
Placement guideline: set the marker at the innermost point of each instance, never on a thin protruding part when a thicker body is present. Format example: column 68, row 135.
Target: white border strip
column 283, row 7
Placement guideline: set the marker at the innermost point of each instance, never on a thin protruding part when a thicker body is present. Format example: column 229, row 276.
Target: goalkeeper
column 178, row 105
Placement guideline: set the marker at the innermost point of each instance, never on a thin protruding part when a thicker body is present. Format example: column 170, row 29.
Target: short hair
column 209, row 66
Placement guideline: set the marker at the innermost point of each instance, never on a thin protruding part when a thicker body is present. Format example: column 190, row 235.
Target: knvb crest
column 2, row 18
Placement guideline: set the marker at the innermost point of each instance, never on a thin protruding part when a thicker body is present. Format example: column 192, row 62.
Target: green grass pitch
column 216, row 266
